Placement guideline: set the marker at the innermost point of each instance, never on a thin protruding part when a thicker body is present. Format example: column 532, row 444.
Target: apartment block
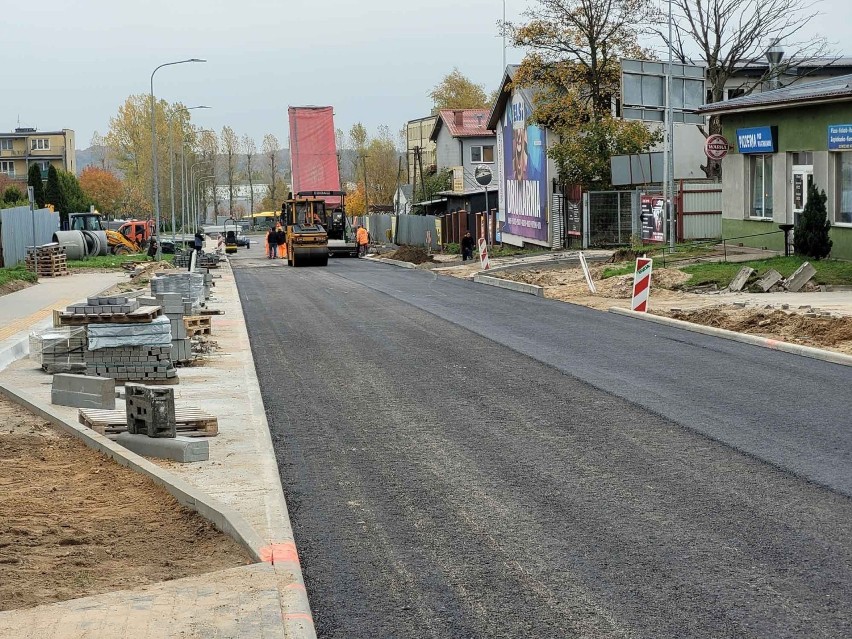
column 24, row 147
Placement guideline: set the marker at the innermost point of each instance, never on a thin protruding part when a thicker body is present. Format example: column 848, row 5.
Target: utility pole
column 366, row 195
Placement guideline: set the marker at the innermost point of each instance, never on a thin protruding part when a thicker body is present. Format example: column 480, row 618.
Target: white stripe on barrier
column 483, row 254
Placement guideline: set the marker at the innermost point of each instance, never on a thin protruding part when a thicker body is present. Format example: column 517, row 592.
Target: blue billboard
column 757, row 139
column 839, row 137
column 524, row 172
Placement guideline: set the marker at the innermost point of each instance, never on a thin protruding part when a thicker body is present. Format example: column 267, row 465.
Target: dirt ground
column 806, row 325
column 413, row 254
column 15, row 285
column 74, row 523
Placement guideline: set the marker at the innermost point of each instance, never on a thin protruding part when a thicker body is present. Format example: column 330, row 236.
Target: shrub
column 811, row 237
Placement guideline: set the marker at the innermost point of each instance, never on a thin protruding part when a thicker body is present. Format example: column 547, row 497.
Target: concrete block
column 770, row 279
column 741, row 279
column 801, row 277
column 179, row 449
column 150, row 410
column 83, row 391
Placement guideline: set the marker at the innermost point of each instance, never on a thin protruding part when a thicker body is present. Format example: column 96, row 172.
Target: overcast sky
column 71, row 64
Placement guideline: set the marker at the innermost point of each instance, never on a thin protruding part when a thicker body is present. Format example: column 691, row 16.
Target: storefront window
column 844, row 210
column 761, row 186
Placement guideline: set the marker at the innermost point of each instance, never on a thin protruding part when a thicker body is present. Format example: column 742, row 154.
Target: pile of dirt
column 74, row 523
column 821, row 332
column 413, row 254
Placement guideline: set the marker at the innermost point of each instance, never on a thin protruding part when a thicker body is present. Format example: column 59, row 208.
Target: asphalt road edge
column 755, row 340
column 387, row 260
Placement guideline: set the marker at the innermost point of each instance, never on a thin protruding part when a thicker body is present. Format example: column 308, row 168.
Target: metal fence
column 611, row 217
column 405, row 229
column 700, row 206
column 16, row 232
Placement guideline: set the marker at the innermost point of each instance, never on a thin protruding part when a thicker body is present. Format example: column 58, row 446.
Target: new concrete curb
column 226, row 519
column 387, row 260
column 755, row 340
column 21, row 348
column 520, row 287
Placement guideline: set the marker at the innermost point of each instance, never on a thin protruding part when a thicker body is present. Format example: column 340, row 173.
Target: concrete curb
column 21, row 348
column 387, row 260
column 755, row 340
column 226, row 519
column 520, row 287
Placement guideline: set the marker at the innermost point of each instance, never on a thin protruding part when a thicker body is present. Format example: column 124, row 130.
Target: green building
column 780, row 142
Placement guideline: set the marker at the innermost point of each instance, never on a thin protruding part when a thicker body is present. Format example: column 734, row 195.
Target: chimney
column 458, row 118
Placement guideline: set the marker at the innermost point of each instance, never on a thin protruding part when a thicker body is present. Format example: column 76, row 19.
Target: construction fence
column 16, row 232
column 404, row 229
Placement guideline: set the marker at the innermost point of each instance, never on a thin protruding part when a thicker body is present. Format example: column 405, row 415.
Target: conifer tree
column 34, row 180
column 811, row 237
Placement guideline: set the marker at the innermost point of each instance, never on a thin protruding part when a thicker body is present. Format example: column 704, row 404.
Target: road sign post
column 483, row 176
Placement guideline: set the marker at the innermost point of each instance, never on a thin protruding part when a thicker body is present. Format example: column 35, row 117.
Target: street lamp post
column 201, row 181
column 154, row 150
column 171, row 163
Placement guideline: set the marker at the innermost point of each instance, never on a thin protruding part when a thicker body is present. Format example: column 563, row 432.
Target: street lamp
column 154, row 150
column 171, row 162
column 774, row 55
column 186, row 191
column 202, row 180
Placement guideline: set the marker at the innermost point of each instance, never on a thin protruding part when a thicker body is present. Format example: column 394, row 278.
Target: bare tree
column 99, row 149
column 271, row 149
column 729, row 34
column 250, row 149
column 209, row 154
column 230, row 149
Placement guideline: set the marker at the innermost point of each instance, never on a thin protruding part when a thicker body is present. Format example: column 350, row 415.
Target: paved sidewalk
column 32, row 308
column 241, row 473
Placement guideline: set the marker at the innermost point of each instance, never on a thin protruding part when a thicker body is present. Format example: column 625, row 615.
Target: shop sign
column 839, row 137
column 758, row 139
column 715, row 147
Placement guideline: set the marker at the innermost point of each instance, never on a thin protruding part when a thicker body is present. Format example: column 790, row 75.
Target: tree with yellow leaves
column 573, row 64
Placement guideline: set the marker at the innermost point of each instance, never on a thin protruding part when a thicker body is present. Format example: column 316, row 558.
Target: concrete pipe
column 103, row 242
column 92, row 244
column 73, row 242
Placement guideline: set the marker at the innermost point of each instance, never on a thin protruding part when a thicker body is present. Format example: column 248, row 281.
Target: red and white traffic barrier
column 483, row 254
column 642, row 284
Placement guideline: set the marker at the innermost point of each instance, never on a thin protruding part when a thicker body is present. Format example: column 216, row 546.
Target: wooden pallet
column 142, row 315
column 190, row 421
column 198, row 325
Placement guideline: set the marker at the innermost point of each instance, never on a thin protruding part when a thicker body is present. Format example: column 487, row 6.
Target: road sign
column 482, row 174
column 642, row 284
column 483, row 254
column 715, row 147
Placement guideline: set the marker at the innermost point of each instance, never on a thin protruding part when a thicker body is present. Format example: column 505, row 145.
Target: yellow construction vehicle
column 129, row 238
column 307, row 240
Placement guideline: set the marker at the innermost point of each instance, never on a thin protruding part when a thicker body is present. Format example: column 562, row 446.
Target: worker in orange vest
column 363, row 239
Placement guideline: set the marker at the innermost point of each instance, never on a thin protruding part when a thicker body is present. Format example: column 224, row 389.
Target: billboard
column 524, row 172
column 652, row 209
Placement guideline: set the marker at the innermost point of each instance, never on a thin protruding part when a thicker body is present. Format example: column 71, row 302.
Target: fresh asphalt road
column 464, row 461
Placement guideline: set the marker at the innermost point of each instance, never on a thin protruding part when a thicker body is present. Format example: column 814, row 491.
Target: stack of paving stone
column 207, row 260
column 139, row 348
column 175, row 307
column 111, row 305
column 60, row 349
column 189, row 285
column 132, row 363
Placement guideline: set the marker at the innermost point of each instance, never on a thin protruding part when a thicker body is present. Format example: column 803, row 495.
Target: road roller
column 307, row 239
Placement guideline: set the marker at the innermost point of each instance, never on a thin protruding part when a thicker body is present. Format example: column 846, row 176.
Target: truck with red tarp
column 315, row 171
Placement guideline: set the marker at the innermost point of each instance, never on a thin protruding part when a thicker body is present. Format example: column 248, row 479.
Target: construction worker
column 281, row 241
column 271, row 244
column 363, row 240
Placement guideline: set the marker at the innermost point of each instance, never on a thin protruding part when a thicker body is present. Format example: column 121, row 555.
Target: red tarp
column 313, row 151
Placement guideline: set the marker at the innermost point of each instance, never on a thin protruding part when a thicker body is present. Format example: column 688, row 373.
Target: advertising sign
column 524, row 172
column 652, row 211
column 715, row 147
column 839, row 137
column 758, row 139
column 458, row 179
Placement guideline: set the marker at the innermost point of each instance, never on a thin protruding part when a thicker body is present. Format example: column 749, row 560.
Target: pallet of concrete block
column 60, row 349
column 47, row 260
column 115, row 309
column 189, row 421
column 198, row 325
